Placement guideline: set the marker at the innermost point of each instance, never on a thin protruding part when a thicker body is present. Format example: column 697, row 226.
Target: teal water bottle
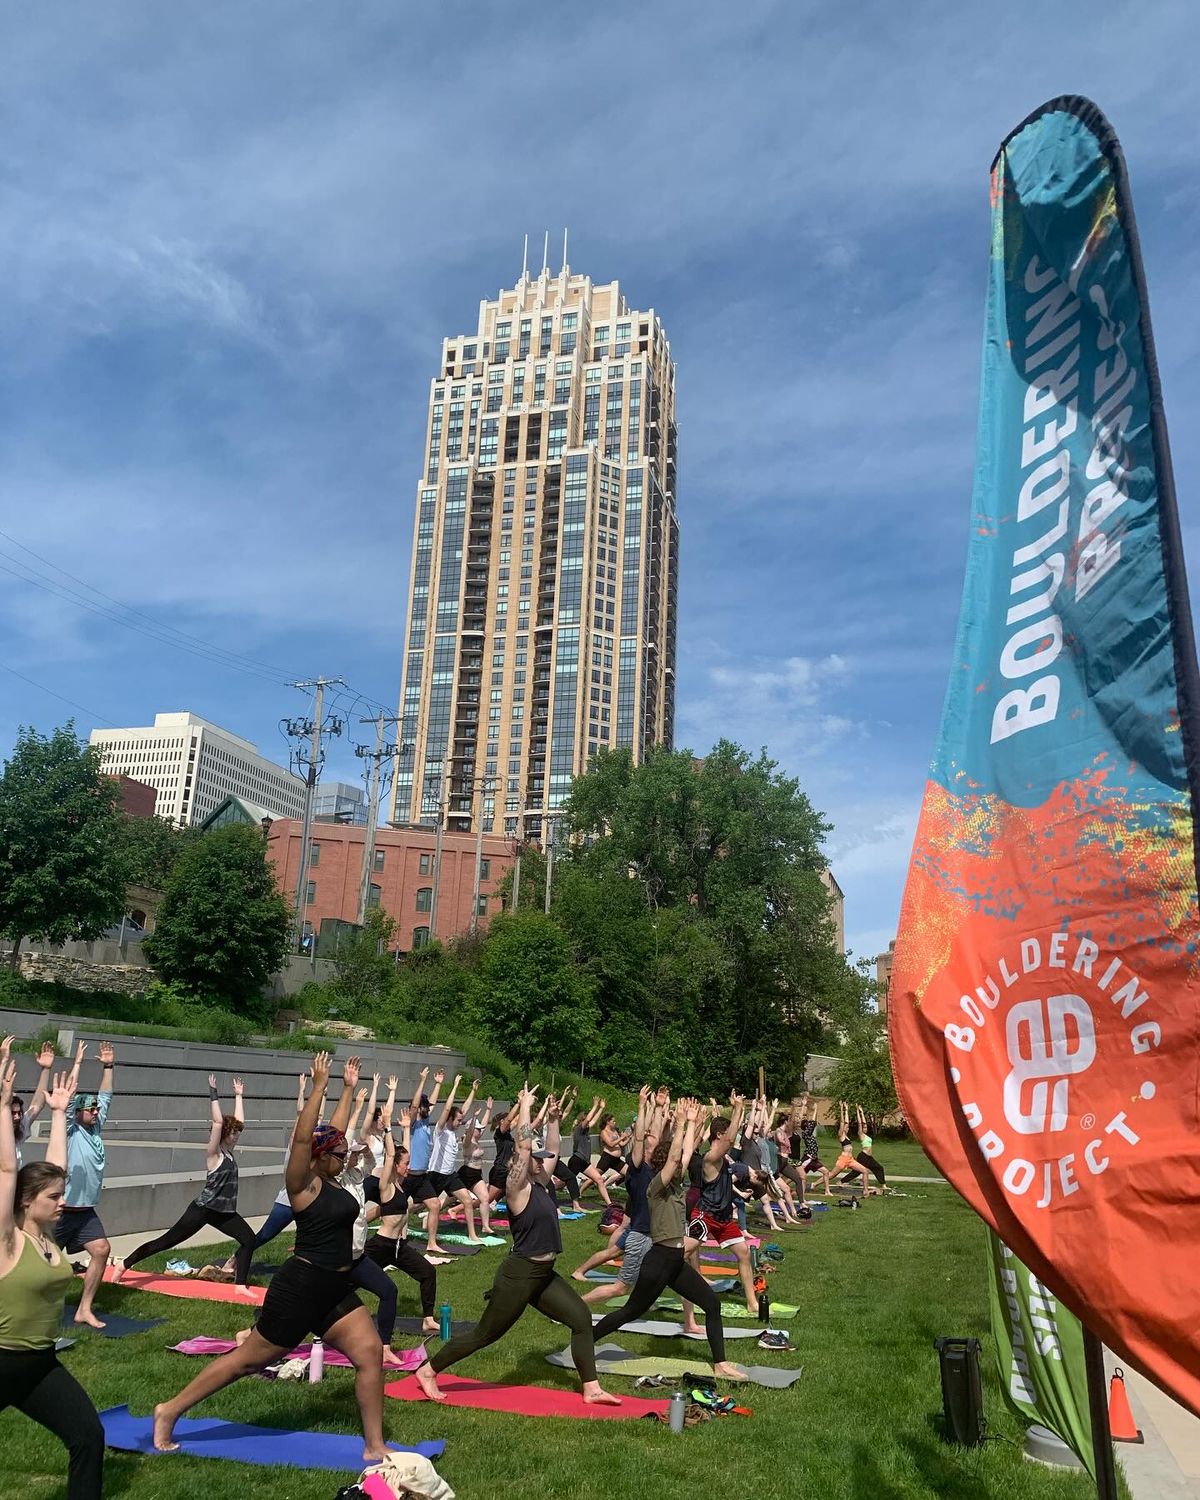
column 445, row 1320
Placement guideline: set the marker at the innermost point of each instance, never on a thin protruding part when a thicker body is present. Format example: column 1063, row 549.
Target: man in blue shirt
column 418, row 1184
column 79, row 1227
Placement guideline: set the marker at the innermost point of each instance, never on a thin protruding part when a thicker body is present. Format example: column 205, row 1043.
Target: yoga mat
column 188, row 1286
column 719, row 1280
column 781, row 1310
column 115, row 1326
column 663, row 1330
column 523, row 1400
column 211, row 1438
column 412, row 1357
column 611, row 1359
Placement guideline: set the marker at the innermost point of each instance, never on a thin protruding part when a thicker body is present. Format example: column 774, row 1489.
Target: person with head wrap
column 79, row 1227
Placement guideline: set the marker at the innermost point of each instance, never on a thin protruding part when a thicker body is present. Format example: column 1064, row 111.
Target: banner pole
column 1102, row 1449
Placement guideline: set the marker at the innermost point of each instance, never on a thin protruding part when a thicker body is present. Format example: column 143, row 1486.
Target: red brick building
column 137, row 799
column 401, row 876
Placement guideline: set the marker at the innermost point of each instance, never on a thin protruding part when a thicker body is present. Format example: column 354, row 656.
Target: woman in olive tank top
column 34, row 1278
column 312, row 1292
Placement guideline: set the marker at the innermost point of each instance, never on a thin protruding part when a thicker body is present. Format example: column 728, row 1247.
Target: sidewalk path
column 1167, row 1465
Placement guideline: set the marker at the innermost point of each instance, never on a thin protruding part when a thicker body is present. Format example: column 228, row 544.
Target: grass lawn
column 863, row 1424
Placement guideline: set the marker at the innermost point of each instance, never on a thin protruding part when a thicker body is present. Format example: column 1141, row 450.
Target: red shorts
column 722, row 1231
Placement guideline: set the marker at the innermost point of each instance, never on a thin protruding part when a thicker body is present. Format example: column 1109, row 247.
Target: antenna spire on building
column 525, row 261
column 546, row 254
column 564, row 264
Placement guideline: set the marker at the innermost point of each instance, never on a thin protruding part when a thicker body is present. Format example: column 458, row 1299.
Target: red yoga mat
column 188, row 1286
column 524, row 1400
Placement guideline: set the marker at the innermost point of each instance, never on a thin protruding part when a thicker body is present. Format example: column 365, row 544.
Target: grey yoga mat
column 666, row 1330
column 611, row 1357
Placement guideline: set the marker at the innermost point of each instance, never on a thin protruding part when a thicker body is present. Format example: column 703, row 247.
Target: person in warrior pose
column 388, row 1247
column 471, row 1171
column 715, row 1221
column 442, row 1173
column 312, row 1291
column 845, row 1162
column 810, row 1161
column 580, row 1161
column 79, row 1227
column 863, row 1155
column 217, row 1201
column 527, row 1277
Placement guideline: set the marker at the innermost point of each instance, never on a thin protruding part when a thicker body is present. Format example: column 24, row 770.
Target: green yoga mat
column 611, row 1359
column 491, row 1240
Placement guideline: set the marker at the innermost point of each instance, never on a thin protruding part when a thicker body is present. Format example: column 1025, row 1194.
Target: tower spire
column 564, row 264
column 546, row 253
column 525, row 261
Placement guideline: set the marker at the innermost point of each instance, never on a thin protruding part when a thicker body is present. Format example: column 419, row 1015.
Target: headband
column 326, row 1139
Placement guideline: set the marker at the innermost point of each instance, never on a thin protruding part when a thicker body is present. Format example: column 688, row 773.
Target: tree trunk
column 14, row 957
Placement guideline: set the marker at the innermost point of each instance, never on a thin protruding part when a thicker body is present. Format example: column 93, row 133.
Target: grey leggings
column 519, row 1284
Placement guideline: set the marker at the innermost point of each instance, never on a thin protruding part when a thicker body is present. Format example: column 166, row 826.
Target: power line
column 163, row 635
column 70, row 702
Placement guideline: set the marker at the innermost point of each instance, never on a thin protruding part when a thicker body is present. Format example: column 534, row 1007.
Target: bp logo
column 1051, row 1056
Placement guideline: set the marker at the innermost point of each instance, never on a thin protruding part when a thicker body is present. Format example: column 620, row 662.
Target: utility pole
column 309, row 761
column 442, row 804
column 377, row 756
column 483, row 785
column 551, row 821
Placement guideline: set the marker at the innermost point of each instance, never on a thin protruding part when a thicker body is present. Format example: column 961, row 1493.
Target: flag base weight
column 1044, row 1447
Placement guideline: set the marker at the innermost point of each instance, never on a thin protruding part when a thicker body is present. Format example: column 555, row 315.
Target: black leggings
column 872, row 1166
column 563, row 1173
column 35, row 1383
column 386, row 1252
column 519, row 1284
column 665, row 1266
column 190, row 1222
column 365, row 1273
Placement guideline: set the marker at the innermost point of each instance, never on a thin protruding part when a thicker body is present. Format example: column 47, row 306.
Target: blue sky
column 234, row 235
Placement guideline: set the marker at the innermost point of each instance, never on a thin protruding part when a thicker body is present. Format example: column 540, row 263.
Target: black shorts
column 498, row 1177
column 811, row 1164
column 610, row 1163
column 303, row 1299
column 78, row 1227
column 444, row 1182
column 419, row 1187
column 470, row 1176
column 579, row 1164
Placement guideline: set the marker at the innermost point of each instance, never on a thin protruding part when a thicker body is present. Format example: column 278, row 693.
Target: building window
column 420, row 937
column 481, row 908
column 314, row 855
column 425, row 898
column 485, row 869
column 378, row 865
column 310, row 893
column 374, row 892
column 426, row 864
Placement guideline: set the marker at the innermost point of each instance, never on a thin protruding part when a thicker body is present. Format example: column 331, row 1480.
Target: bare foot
column 729, row 1372
column 118, row 1272
column 374, row 1455
column 246, row 1293
column 578, row 1276
column 242, row 1335
column 594, row 1395
column 88, row 1317
column 427, row 1380
column 752, row 1309
column 431, row 1249
column 391, row 1360
column 431, row 1325
column 164, row 1428
column 473, row 1239
column 694, row 1328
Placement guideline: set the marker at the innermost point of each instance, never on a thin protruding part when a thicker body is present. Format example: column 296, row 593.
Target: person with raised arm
column 471, row 1171
column 311, row 1292
column 388, row 1247
column 23, row 1118
column 442, row 1174
column 580, row 1160
column 365, row 1274
column 79, row 1227
column 810, row 1161
column 865, row 1146
column 632, row 1241
column 527, row 1277
column 846, row 1163
column 665, row 1264
column 34, row 1278
column 217, row 1201
column 419, row 1186
column 715, row 1221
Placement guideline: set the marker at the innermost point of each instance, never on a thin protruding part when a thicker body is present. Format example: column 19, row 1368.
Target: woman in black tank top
column 311, row 1293
column 527, row 1277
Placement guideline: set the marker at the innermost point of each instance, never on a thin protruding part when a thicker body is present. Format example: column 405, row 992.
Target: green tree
column 364, row 969
column 529, row 996
column 863, row 1071
column 62, row 868
column 151, row 847
column 223, row 928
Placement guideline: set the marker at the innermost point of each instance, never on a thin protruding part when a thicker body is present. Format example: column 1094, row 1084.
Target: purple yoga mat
column 410, row 1358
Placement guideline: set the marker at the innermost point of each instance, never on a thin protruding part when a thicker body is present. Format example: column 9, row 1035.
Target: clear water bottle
column 316, row 1362
column 678, row 1407
column 446, row 1322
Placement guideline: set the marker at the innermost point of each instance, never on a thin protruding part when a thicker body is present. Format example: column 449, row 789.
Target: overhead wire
column 70, row 702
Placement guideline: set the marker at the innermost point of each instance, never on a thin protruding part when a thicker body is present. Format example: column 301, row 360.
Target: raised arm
column 299, row 1167
column 597, row 1111
column 422, row 1079
column 449, row 1104
column 45, row 1061
column 59, row 1097
column 406, row 1130
column 719, row 1149
column 553, row 1134
column 239, row 1101
column 374, row 1099
column 389, row 1107
column 341, row 1115
column 637, row 1155
column 108, row 1060
column 675, row 1153
column 438, row 1079
column 516, row 1186
column 352, row 1125
column 388, row 1170
column 214, row 1116
column 8, row 1154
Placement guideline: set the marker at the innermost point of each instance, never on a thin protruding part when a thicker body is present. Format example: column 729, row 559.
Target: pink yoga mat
column 188, row 1286
column 524, row 1400
column 411, row 1357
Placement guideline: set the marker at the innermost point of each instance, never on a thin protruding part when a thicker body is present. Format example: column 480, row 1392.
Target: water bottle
column 678, row 1407
column 316, row 1362
column 764, row 1305
column 445, row 1320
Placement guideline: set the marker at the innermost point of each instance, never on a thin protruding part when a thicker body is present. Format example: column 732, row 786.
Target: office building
column 542, row 603
column 339, row 802
column 194, row 765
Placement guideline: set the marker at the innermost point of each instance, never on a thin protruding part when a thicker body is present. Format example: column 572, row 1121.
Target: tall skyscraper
column 543, row 598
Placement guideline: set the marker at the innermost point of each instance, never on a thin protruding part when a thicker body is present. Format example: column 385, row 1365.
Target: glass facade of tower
column 542, row 606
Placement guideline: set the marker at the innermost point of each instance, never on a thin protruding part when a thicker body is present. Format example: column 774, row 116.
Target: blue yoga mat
column 115, row 1326
column 211, row 1438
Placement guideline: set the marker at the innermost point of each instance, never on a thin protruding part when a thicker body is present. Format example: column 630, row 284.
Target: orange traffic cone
column 1121, row 1426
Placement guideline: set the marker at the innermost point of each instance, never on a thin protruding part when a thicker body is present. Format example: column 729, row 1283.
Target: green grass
column 878, row 1286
